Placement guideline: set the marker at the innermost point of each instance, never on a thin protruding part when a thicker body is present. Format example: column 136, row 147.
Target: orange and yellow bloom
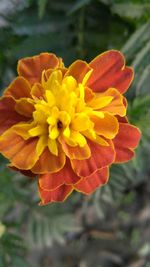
column 67, row 125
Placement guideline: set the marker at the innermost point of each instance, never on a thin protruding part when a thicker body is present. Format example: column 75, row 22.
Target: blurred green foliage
column 78, row 29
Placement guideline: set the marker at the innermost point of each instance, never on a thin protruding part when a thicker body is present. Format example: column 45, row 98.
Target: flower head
column 67, row 125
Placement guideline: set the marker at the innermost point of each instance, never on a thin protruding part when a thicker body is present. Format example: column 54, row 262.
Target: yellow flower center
column 63, row 113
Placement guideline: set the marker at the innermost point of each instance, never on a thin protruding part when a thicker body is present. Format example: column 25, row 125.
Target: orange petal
column 24, row 172
column 123, row 154
column 127, row 139
column 101, row 156
column 78, row 70
column 49, row 72
column 49, row 163
column 58, row 195
column 75, row 152
column 122, row 119
column 37, row 90
column 70, row 177
column 107, row 126
column 31, row 67
column 19, row 88
column 51, row 181
column 89, row 184
column 110, row 71
column 8, row 115
column 88, row 94
column 24, row 107
column 22, row 129
column 21, row 153
column 117, row 106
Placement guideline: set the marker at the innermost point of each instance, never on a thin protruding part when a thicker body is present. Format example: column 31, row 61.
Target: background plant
column 111, row 227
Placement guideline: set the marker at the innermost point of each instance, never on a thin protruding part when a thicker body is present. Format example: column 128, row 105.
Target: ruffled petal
column 19, row 88
column 58, row 195
column 88, row 94
column 78, row 70
column 122, row 119
column 117, row 105
column 8, row 115
column 101, row 156
column 75, row 152
column 48, row 72
column 109, row 71
column 37, row 91
column 51, row 181
column 31, row 67
column 49, row 163
column 21, row 153
column 107, row 126
column 22, row 129
column 89, row 184
column 126, row 140
column 24, row 107
column 27, row 173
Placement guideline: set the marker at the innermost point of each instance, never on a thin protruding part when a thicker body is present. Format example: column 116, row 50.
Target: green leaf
column 44, row 229
column 137, row 40
column 78, row 5
column 143, row 85
column 131, row 10
column 42, row 7
column 142, row 58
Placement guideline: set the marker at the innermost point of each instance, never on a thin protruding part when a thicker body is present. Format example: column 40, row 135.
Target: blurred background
column 111, row 228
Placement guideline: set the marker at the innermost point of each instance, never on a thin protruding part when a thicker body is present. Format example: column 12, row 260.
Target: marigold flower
column 67, row 125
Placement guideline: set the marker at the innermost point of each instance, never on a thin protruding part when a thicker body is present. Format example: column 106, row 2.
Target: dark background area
column 110, row 228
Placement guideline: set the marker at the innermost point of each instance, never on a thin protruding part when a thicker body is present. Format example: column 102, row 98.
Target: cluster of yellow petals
column 61, row 112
